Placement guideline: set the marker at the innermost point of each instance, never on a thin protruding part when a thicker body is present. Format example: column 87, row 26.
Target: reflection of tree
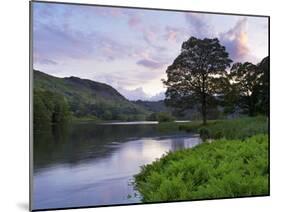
column 60, row 133
column 177, row 144
column 48, row 142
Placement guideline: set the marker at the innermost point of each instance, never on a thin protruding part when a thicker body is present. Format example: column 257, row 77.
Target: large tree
column 197, row 74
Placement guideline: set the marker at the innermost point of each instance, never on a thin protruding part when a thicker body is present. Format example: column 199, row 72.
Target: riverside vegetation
column 233, row 159
column 233, row 165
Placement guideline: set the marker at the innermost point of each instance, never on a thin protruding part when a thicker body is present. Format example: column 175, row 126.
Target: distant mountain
column 89, row 98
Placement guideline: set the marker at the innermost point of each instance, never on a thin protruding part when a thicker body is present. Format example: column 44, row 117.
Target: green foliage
column 249, row 89
column 107, row 115
column 225, row 168
column 204, row 133
column 41, row 117
column 49, row 108
column 263, row 88
column 239, row 128
column 152, row 117
column 165, row 117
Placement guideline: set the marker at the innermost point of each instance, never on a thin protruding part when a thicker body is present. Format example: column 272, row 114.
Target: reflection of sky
column 130, row 49
column 102, row 180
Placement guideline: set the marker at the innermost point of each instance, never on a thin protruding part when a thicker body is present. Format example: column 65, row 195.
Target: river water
column 90, row 164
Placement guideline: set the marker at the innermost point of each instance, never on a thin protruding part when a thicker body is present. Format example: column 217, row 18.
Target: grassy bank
column 225, row 168
column 231, row 129
column 234, row 165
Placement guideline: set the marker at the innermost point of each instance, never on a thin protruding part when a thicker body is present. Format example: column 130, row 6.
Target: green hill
column 86, row 98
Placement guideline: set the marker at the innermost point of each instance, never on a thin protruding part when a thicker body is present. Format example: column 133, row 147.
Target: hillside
column 153, row 106
column 90, row 98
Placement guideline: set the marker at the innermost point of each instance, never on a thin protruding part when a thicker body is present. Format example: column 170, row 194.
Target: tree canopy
column 251, row 82
column 49, row 108
column 197, row 74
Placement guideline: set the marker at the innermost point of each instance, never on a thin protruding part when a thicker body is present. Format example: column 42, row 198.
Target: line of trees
column 202, row 75
column 49, row 109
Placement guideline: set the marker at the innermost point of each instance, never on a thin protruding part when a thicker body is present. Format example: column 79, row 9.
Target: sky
column 130, row 49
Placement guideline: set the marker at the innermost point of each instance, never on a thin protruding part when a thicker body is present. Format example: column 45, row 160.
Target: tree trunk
column 251, row 106
column 204, row 113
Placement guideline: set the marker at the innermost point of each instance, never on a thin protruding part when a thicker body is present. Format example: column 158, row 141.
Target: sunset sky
column 130, row 49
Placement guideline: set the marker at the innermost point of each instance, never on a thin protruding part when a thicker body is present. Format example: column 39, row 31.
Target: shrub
column 165, row 117
column 204, row 133
column 152, row 117
column 218, row 135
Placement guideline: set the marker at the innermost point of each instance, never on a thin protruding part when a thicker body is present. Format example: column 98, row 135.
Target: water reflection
column 91, row 164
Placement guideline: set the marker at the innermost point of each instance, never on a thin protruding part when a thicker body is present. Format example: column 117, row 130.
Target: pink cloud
column 173, row 34
column 236, row 41
column 150, row 63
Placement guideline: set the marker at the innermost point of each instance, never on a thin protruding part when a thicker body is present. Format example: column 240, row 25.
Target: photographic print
column 137, row 105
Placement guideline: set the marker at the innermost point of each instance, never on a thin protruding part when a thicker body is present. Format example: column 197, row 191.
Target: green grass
column 231, row 129
column 233, row 165
column 224, row 168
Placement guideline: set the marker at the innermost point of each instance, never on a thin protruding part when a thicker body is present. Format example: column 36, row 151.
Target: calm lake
column 89, row 164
